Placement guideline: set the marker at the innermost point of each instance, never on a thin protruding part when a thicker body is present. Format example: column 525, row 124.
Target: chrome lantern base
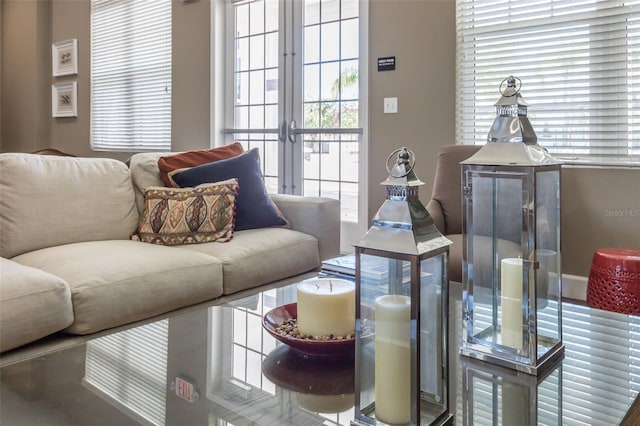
column 483, row 353
column 446, row 419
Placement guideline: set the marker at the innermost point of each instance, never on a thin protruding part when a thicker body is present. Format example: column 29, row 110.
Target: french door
column 294, row 90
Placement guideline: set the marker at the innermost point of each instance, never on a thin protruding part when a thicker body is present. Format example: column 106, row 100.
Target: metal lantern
column 511, row 244
column 495, row 395
column 401, row 309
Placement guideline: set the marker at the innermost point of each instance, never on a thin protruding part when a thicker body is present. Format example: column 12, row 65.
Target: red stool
column 614, row 281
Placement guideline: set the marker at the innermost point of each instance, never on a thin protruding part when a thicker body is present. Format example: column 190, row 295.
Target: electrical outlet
column 390, row 105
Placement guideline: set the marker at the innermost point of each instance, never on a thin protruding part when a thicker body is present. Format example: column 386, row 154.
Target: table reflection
column 494, row 395
column 321, row 385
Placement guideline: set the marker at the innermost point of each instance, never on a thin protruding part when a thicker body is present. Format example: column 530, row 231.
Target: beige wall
column 600, row 208
column 419, row 33
column 71, row 19
column 29, row 28
column 26, row 94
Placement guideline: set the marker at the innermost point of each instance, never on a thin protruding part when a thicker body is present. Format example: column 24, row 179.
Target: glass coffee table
column 218, row 366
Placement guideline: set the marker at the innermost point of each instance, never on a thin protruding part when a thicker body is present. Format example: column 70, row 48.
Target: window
column 131, row 75
column 579, row 62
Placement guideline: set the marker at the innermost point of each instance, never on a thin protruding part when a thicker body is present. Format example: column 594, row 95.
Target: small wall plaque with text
column 387, row 64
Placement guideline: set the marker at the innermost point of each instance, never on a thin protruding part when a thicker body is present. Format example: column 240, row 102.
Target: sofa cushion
column 33, row 304
column 259, row 256
column 144, row 174
column 193, row 158
column 118, row 282
column 48, row 201
column 254, row 208
column 202, row 214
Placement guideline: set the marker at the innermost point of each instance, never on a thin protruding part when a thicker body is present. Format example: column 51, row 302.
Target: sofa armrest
column 315, row 216
column 435, row 210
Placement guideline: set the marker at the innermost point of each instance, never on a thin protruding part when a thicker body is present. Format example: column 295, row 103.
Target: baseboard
column 574, row 287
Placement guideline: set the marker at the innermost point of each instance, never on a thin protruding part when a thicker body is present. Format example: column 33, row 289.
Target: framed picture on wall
column 64, row 57
column 64, row 99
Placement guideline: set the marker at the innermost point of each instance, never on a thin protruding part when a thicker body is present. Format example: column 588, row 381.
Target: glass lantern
column 401, row 310
column 511, row 244
column 495, row 395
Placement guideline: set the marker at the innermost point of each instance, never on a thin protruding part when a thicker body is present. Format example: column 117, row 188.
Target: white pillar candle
column 326, row 404
column 393, row 359
column 515, row 405
column 511, row 302
column 326, row 306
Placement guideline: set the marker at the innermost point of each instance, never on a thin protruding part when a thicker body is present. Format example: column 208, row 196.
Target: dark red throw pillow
column 195, row 158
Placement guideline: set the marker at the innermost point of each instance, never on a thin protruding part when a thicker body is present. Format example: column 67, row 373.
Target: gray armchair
column 445, row 205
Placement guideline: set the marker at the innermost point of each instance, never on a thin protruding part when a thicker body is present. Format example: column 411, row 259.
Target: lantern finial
column 511, row 123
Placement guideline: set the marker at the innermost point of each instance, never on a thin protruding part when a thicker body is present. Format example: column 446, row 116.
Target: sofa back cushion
column 144, row 174
column 47, row 201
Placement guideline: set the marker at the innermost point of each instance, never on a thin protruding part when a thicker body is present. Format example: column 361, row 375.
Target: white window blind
column 579, row 62
column 129, row 370
column 131, row 75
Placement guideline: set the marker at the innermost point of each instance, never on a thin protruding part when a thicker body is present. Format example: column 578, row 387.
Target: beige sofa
column 68, row 264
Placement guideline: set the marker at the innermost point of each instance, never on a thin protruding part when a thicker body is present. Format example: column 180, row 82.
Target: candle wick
column 330, row 286
column 317, row 286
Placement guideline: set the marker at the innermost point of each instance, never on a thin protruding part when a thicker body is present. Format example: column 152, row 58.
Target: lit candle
column 326, row 306
column 392, row 359
column 511, row 302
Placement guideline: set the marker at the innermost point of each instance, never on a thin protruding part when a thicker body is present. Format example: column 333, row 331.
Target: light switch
column 390, row 105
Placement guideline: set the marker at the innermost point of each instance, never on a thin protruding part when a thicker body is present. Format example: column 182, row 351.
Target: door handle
column 292, row 131
column 282, row 131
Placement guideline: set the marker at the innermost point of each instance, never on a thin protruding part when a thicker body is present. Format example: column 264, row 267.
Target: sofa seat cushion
column 259, row 256
column 117, row 282
column 33, row 304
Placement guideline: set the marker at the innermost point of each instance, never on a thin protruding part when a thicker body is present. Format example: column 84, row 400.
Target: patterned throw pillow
column 189, row 215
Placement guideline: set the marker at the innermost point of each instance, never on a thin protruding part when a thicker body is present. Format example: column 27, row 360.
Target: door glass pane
column 329, row 10
column 330, row 80
column 271, row 50
column 311, row 83
column 311, row 44
column 256, row 17
column 256, row 87
column 242, row 20
column 330, row 41
column 350, row 9
column 256, row 52
column 331, row 101
column 349, row 39
column 311, row 12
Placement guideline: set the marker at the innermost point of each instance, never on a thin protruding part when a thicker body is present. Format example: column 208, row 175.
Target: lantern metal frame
column 403, row 231
column 511, row 174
